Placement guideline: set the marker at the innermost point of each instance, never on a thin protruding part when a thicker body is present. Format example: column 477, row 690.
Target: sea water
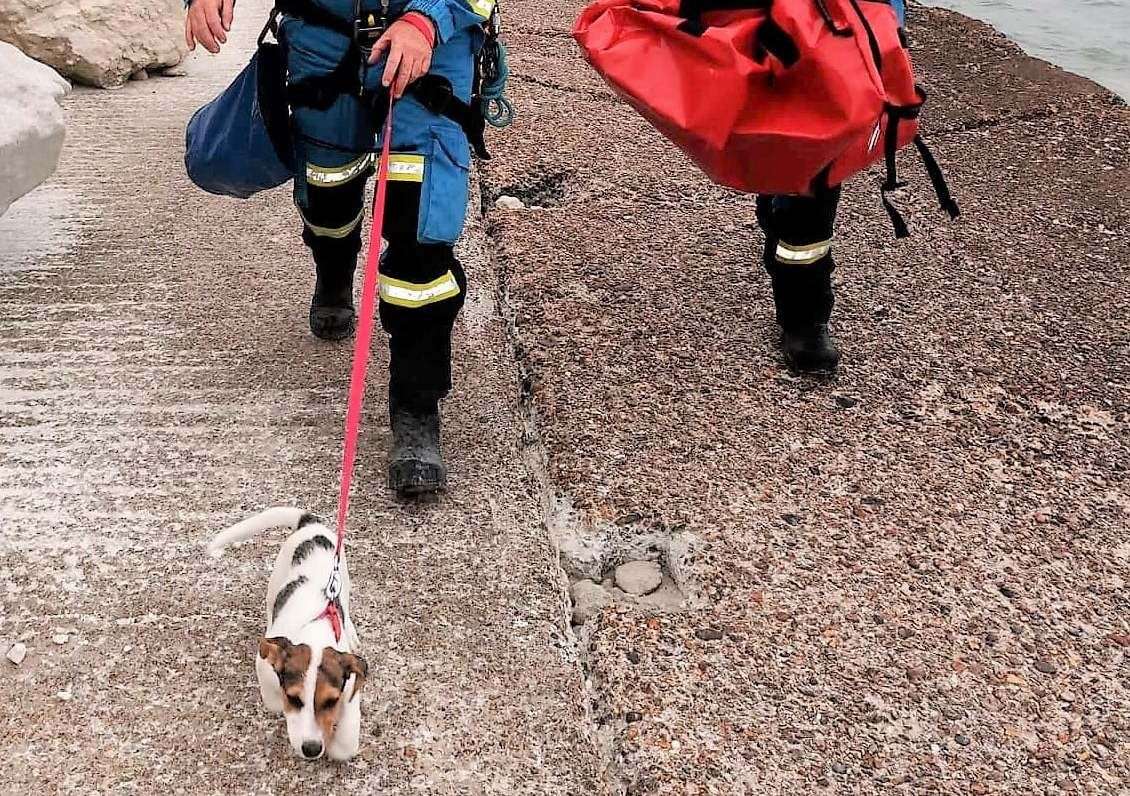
column 1089, row 37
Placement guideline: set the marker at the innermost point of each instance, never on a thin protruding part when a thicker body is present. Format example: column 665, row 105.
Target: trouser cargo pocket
column 443, row 200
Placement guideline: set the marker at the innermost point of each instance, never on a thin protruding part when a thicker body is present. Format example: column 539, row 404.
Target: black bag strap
column 895, row 115
column 272, row 27
column 692, row 10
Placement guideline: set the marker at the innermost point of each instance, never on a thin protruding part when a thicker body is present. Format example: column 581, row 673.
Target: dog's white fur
column 298, row 622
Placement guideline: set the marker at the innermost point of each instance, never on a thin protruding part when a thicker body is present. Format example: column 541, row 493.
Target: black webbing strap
column 772, row 39
column 435, row 94
column 941, row 188
column 692, row 10
column 892, row 182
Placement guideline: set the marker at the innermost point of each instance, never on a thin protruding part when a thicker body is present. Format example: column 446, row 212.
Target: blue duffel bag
column 240, row 143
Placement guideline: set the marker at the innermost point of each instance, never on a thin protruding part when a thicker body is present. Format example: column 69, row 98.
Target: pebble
column 905, row 632
column 61, row 639
column 962, row 740
column 1008, row 591
column 633, row 657
column 839, row 768
column 140, row 74
column 915, row 673
column 846, row 401
column 64, row 696
column 589, row 599
column 509, row 203
column 1047, row 667
column 709, row 634
column 633, row 716
column 16, row 653
column 639, row 577
column 952, row 713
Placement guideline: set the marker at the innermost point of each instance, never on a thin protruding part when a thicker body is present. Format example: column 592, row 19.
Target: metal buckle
column 368, row 30
column 333, row 588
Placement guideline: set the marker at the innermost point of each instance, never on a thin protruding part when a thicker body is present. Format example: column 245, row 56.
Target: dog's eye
column 295, row 702
column 329, row 703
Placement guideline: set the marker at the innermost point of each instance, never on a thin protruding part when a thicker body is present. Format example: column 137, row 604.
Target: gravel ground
column 157, row 383
column 911, row 577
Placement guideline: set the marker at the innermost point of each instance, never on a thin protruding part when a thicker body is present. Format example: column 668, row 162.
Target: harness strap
column 432, row 91
column 435, row 93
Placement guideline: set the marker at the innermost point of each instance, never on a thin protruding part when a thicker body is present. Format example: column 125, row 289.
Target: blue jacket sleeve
column 451, row 16
column 900, row 10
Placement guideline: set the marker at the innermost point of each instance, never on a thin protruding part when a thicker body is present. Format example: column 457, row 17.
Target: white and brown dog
column 305, row 673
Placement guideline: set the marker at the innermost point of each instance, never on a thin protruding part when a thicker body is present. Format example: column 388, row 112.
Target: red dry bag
column 767, row 96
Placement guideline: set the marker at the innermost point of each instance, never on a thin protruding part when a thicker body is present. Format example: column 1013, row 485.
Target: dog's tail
column 278, row 517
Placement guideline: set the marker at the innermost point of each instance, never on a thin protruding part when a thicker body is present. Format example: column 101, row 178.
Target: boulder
column 31, row 123
column 97, row 42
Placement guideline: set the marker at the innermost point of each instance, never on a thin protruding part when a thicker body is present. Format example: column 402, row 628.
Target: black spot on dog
column 308, row 519
column 285, row 594
column 304, row 549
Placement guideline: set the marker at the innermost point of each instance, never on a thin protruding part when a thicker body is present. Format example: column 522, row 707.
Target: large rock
column 98, row 42
column 31, row 123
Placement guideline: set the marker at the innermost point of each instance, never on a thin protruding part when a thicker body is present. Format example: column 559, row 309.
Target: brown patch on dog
column 329, row 688
column 290, row 662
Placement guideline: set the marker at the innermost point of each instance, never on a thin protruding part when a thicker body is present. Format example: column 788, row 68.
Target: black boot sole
column 811, row 369
column 326, row 327
column 414, row 479
column 805, row 364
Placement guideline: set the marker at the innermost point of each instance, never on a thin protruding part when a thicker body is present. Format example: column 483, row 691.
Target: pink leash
column 361, row 352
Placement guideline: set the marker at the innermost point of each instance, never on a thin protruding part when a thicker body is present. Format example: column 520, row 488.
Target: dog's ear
column 274, row 651
column 355, row 665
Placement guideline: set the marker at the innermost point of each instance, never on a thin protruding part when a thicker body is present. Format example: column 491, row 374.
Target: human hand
column 208, row 22
column 409, row 56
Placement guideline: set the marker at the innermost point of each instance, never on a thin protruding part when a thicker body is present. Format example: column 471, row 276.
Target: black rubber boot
column 415, row 464
column 804, row 298
column 802, row 293
column 332, row 316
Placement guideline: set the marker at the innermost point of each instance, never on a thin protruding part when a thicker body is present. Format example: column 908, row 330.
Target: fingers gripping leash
column 361, row 351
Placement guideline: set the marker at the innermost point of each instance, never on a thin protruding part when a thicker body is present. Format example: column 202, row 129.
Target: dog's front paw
column 341, row 752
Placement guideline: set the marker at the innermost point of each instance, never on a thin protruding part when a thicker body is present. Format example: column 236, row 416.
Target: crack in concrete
column 536, row 459
column 599, row 96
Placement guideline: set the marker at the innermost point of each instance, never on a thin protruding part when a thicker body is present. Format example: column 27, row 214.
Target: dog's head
column 316, row 685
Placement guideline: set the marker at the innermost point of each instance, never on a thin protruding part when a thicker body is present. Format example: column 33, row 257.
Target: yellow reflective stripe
column 339, row 232
column 329, row 176
column 407, row 294
column 406, row 168
column 802, row 255
column 483, row 8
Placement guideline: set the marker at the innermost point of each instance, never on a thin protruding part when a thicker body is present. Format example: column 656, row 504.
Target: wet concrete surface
column 157, row 383
column 911, row 578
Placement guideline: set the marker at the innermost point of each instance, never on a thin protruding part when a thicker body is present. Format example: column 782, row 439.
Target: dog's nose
column 312, row 749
